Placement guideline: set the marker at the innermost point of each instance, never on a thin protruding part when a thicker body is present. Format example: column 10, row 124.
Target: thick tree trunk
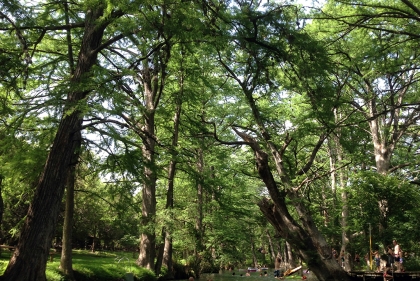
column 148, row 236
column 29, row 260
column 317, row 255
column 305, row 237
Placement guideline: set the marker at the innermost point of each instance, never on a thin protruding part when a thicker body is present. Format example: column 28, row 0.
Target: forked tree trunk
column 28, row 262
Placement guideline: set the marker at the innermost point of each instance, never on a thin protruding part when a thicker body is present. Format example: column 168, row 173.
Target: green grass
column 99, row 266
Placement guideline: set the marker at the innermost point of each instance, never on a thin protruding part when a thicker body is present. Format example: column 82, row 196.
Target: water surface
column 227, row 275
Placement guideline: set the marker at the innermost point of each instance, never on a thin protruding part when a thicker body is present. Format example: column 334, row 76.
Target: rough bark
column 29, row 260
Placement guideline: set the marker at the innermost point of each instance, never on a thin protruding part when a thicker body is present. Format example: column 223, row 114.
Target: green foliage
column 400, row 198
column 260, row 69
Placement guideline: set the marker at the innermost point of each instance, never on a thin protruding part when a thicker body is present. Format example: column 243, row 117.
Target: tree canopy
column 213, row 134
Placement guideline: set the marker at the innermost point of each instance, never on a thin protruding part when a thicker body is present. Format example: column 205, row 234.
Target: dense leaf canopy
column 179, row 102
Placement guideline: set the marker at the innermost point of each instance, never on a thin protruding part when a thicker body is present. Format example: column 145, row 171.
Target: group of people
column 394, row 258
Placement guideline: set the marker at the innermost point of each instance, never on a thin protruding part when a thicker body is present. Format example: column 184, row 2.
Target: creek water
column 227, row 275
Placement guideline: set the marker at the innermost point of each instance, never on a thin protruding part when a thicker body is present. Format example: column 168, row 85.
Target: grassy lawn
column 99, row 266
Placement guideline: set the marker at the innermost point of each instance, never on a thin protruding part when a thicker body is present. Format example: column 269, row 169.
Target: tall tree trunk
column 66, row 263
column 337, row 157
column 153, row 84
column 345, row 237
column 165, row 256
column 199, row 231
column 148, row 236
column 29, row 260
